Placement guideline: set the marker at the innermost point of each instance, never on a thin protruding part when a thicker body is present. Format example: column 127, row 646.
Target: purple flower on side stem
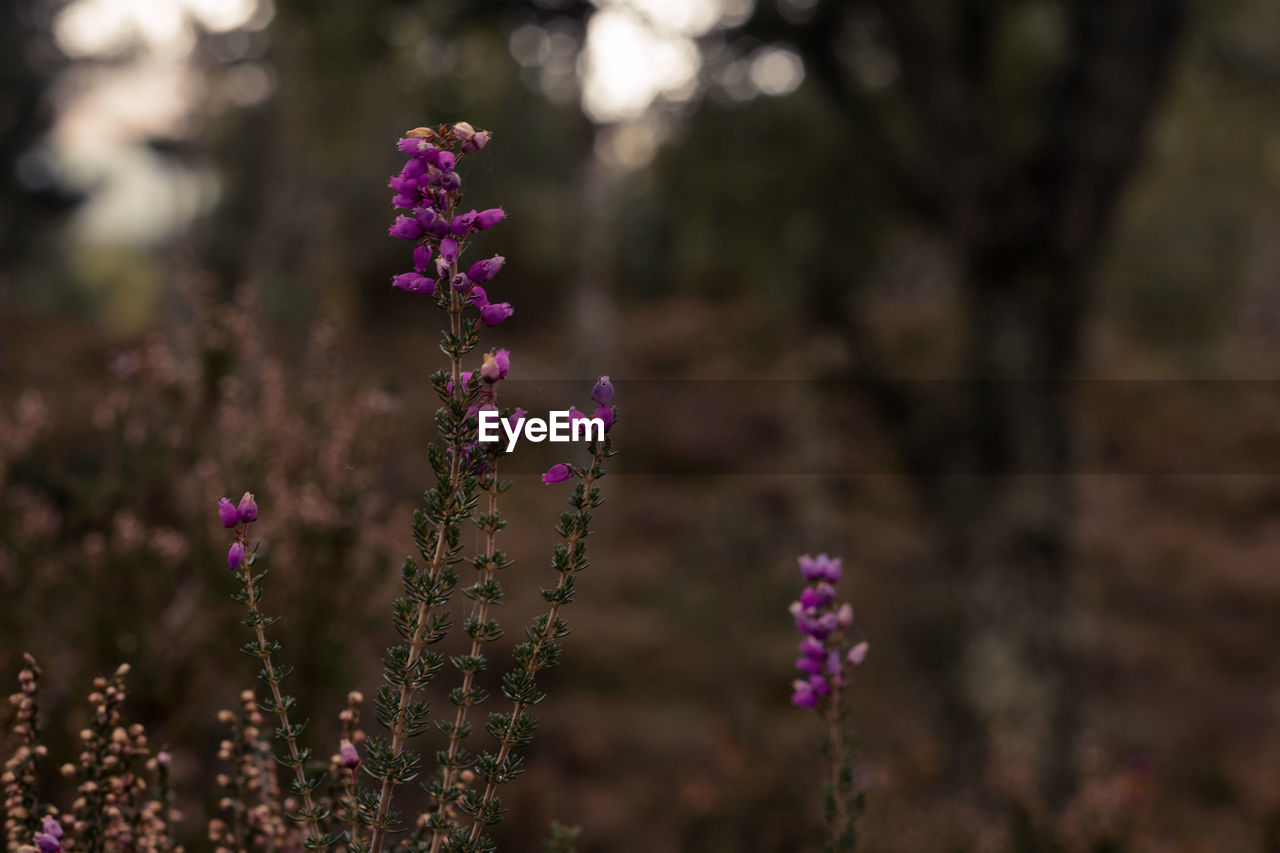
column 421, row 257
column 247, row 508
column 462, row 223
column 449, row 249
column 602, row 393
column 482, row 271
column 557, row 474
column 486, row 219
column 46, row 843
column 227, row 513
column 235, row 555
column 494, row 313
column 405, row 228
column 413, row 282
column 606, row 414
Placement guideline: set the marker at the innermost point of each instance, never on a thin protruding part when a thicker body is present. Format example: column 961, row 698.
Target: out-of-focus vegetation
column 767, row 238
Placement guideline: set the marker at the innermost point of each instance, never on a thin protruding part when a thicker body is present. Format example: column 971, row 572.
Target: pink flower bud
column 557, row 474
column 347, row 754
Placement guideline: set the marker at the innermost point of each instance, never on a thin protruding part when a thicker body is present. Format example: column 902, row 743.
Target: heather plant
column 827, row 659
column 463, row 789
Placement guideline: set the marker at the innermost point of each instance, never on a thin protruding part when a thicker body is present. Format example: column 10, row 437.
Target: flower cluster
column 824, row 662
column 602, row 394
column 429, row 188
column 232, row 516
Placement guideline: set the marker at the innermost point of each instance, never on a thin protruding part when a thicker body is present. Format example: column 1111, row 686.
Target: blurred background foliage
column 193, row 301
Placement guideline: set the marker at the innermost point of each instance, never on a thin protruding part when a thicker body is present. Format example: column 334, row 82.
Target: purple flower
column 51, row 826
column 833, row 662
column 820, row 568
column 462, row 131
column 844, row 616
column 817, row 596
column 478, row 297
column 496, row 366
column 421, row 257
column 413, row 283
column 404, row 202
column 606, row 414
column 602, row 393
column 482, row 271
column 227, row 513
column 802, row 695
column 450, row 181
column 494, row 313
column 462, row 223
column 819, row 685
column 445, row 161
column 557, row 474
column 415, row 168
column 513, row 422
column 449, row 249
column 347, row 754
column 405, row 228
column 858, row 654
column 486, row 219
column 809, row 666
column 247, row 508
column 575, row 416
column 409, row 145
column 809, row 647
column 431, row 221
column 235, row 555
column 475, row 143
column 460, row 282
column 47, row 843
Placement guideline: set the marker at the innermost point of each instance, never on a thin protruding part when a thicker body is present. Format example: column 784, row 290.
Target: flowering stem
column 481, row 632
column 400, row 728
column 280, row 704
column 519, row 686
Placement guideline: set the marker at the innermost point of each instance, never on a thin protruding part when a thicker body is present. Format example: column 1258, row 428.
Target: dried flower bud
column 496, row 366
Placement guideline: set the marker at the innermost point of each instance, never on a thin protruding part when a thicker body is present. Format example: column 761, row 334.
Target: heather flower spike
column 826, row 665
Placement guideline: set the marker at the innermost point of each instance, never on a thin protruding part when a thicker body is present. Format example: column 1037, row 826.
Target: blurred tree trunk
column 1023, row 189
